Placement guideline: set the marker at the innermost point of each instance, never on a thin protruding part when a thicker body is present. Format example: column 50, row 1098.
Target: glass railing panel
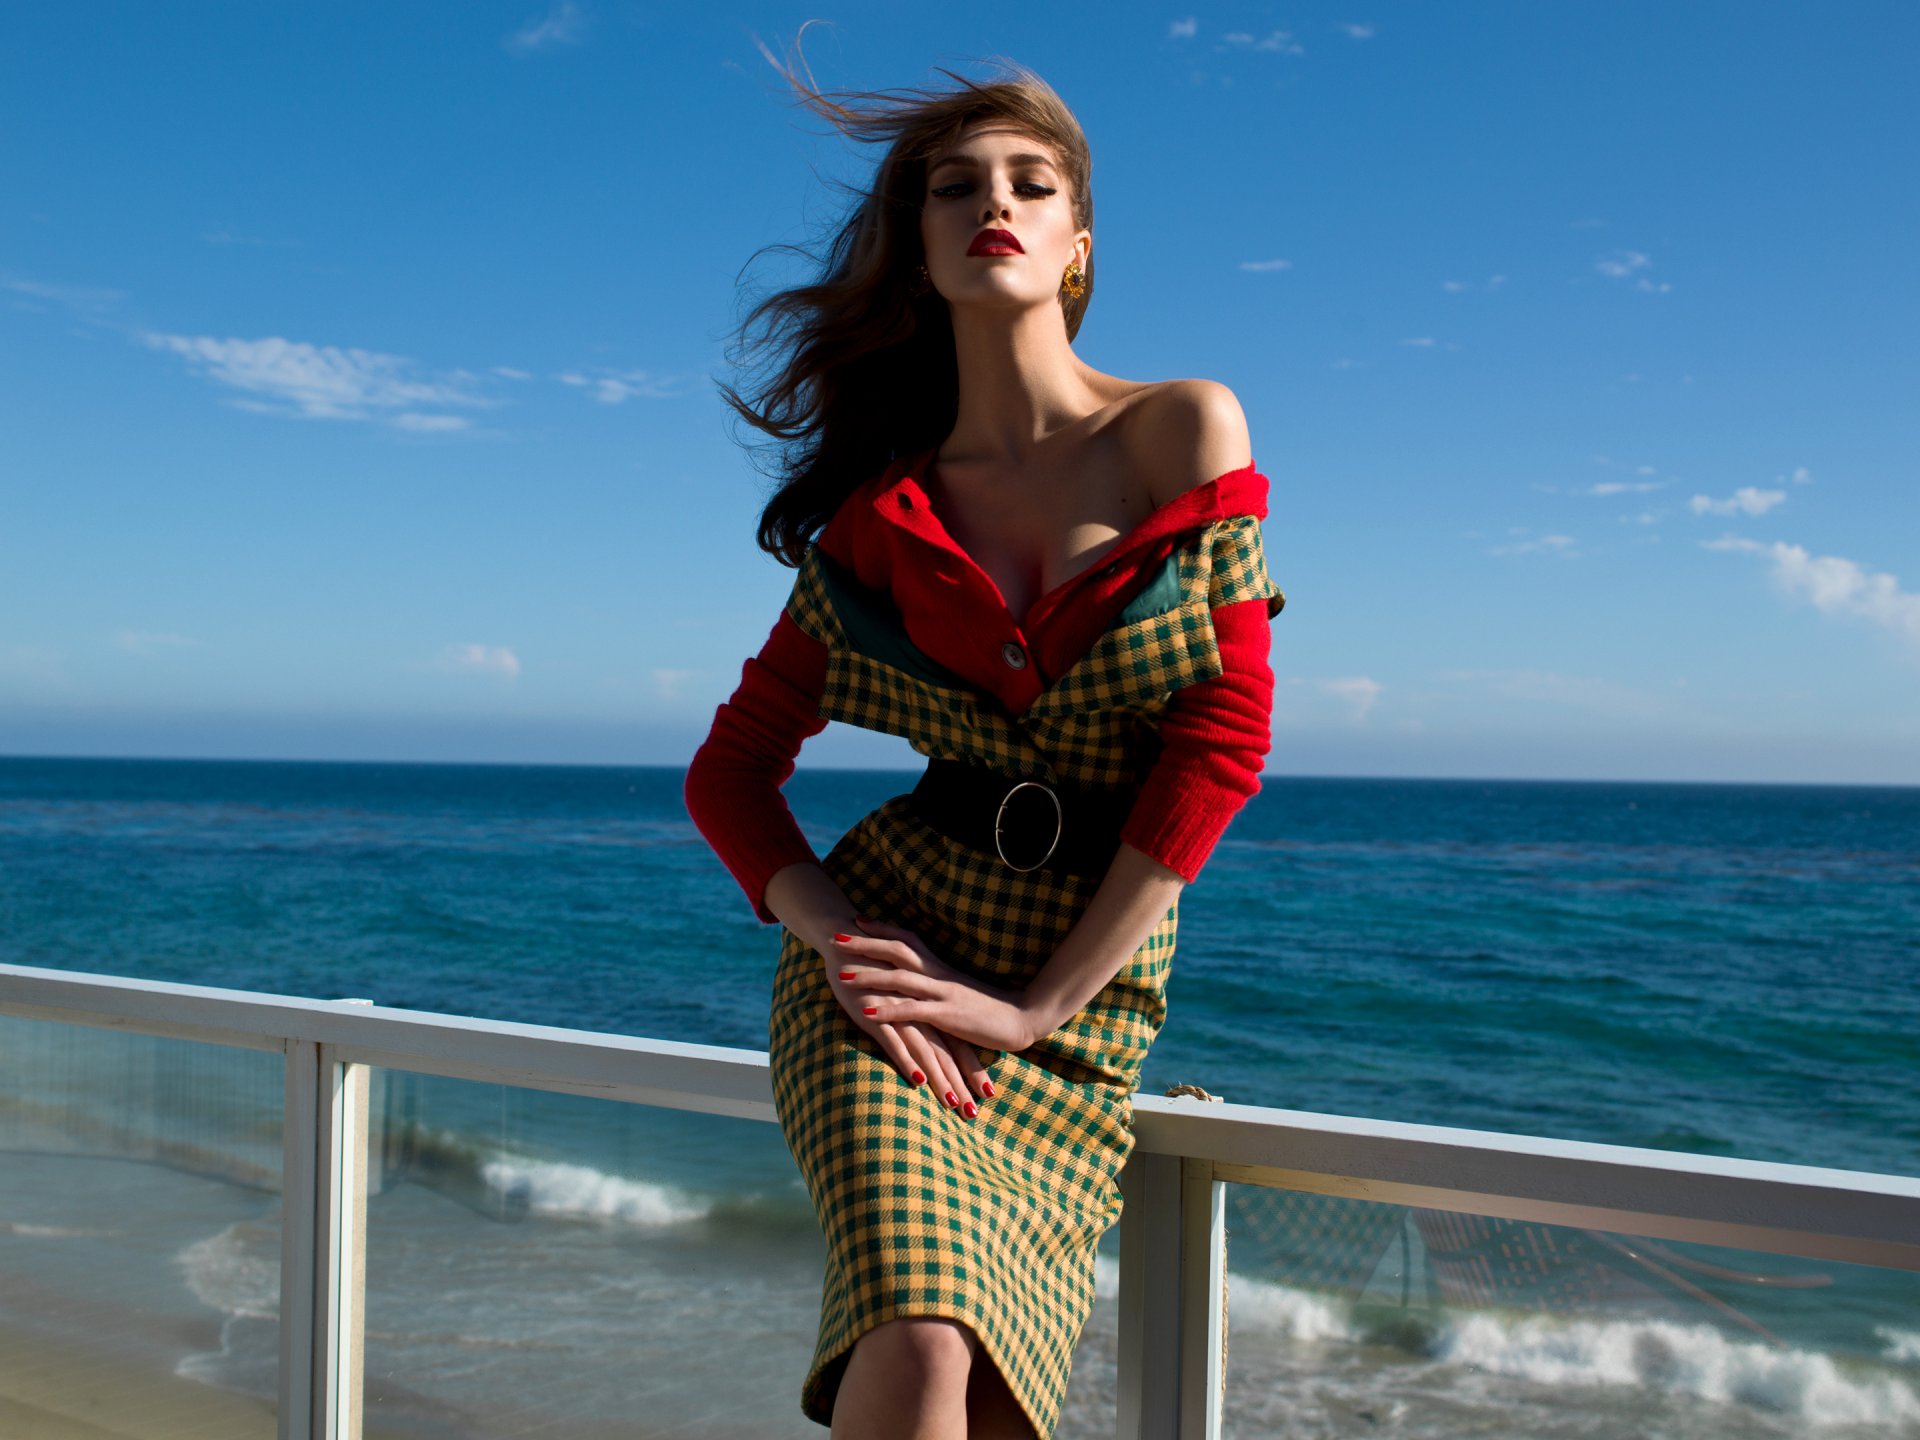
column 561, row 1266
column 1088, row 1411
column 1347, row 1318
column 139, row 1235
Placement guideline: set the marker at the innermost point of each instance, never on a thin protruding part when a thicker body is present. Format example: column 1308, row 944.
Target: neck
column 1019, row 382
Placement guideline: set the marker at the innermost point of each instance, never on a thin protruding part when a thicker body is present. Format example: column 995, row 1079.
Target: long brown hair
column 856, row 368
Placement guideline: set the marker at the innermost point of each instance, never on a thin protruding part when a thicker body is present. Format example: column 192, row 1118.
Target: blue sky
column 357, row 365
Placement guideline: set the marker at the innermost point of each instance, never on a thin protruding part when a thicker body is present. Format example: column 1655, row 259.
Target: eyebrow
column 969, row 162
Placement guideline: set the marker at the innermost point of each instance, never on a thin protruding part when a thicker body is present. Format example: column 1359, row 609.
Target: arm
column 733, row 794
column 733, row 784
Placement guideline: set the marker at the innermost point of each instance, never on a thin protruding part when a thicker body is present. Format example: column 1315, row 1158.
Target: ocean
column 1718, row 969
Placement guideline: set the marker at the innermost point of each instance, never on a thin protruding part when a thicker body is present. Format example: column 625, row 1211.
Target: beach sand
column 63, row 1390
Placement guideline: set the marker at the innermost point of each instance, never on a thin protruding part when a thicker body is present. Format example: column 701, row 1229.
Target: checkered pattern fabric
column 991, row 1222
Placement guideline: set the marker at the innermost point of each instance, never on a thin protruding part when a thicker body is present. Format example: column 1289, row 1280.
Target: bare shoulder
column 1183, row 433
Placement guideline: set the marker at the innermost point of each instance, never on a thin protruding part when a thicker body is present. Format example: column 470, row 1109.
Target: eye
column 1034, row 190
column 952, row 190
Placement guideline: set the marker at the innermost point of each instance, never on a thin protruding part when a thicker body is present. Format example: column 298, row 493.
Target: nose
column 999, row 203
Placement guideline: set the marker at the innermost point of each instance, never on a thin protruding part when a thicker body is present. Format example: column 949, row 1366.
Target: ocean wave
column 236, row 1270
column 1903, row 1346
column 1289, row 1313
column 581, row 1192
column 1694, row 1360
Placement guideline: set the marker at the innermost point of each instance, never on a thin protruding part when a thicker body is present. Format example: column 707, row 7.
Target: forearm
column 804, row 898
column 1131, row 901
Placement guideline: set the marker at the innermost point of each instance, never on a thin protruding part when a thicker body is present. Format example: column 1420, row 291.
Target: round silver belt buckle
column 999, row 818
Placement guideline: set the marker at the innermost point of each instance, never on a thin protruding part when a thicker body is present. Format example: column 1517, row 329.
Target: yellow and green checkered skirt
column 990, row 1222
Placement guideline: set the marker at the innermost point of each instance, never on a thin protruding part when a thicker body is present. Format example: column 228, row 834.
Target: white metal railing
column 1172, row 1227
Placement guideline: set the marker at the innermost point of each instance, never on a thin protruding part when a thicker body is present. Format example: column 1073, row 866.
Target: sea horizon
column 833, row 767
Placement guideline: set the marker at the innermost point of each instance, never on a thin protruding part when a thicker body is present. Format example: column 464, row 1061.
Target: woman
column 1049, row 580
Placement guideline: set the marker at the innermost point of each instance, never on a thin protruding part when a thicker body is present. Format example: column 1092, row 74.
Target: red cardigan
column 1215, row 734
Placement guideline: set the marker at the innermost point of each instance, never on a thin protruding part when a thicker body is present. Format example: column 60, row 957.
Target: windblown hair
column 854, row 369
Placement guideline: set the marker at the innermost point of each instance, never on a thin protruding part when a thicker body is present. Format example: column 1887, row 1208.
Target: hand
column 905, row 983
column 920, row 1052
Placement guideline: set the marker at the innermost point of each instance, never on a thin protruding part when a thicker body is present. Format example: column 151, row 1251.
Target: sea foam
column 1685, row 1359
column 236, row 1270
column 581, row 1192
column 1903, row 1346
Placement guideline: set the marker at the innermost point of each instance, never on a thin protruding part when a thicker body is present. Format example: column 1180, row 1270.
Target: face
column 998, row 222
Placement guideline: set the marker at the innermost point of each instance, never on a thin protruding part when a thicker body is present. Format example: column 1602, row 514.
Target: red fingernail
column 953, row 1100
column 872, row 1010
column 846, row 974
column 986, row 1087
column 918, row 1078
column 968, row 1110
column 843, row 938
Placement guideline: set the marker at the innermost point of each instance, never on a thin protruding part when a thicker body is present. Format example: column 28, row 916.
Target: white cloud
column 507, row 372
column 86, row 302
column 1264, row 265
column 1801, row 475
column 1183, row 29
column 1527, row 544
column 564, row 24
column 1621, row 487
column 1627, row 265
column 1747, row 500
column 1834, row 585
column 427, row 424
column 316, row 382
column 1424, row 341
column 671, row 684
column 1358, row 691
column 1363, row 31
column 1460, row 287
column 148, row 642
column 1347, row 362
column 1621, row 263
column 1275, row 41
column 482, row 659
column 1645, row 517
column 616, row 387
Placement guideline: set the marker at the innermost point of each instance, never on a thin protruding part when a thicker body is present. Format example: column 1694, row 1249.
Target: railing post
column 322, row 1244
column 1203, row 1256
column 340, row 1259
column 1172, row 1252
column 299, row 1163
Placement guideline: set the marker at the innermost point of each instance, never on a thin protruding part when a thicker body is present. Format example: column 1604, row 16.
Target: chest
column 1034, row 529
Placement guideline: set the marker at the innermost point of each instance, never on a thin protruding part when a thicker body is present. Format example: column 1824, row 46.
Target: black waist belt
column 1028, row 824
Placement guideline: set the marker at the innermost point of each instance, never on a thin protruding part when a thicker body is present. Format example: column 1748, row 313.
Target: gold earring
column 922, row 282
column 1074, row 282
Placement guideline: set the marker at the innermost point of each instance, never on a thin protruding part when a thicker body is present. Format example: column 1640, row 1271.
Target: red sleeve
column 1215, row 735
column 733, row 784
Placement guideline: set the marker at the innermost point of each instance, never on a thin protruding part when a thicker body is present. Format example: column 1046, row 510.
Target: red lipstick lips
column 995, row 242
